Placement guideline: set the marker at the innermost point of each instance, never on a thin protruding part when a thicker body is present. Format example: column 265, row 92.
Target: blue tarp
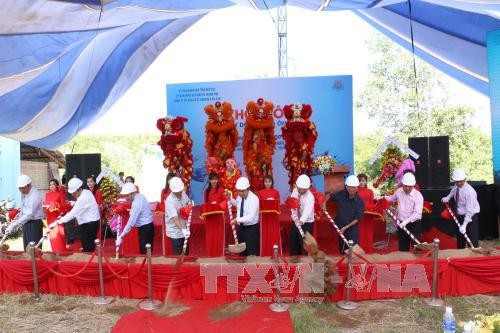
column 63, row 64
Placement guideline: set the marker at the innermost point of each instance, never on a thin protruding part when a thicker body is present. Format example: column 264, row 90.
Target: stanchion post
column 347, row 304
column 435, row 301
column 36, row 293
column 278, row 305
column 150, row 303
column 101, row 300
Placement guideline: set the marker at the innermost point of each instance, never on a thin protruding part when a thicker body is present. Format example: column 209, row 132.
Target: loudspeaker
column 83, row 165
column 432, row 169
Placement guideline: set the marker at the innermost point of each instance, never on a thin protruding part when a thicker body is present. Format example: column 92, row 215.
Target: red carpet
column 257, row 318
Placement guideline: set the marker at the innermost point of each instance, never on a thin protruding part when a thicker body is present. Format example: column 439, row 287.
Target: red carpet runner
column 257, row 318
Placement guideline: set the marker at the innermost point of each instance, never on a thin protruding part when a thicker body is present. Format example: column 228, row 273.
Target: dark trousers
column 472, row 231
column 32, row 232
column 404, row 240
column 177, row 244
column 351, row 233
column 146, row 234
column 296, row 241
column 71, row 231
column 88, row 235
column 250, row 235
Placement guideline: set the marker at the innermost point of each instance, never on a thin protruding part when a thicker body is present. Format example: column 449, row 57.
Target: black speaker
column 83, row 165
column 432, row 169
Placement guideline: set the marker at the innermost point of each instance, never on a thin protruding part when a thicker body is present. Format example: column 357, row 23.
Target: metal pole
column 150, row 303
column 434, row 301
column 348, row 304
column 101, row 300
column 277, row 306
column 31, row 248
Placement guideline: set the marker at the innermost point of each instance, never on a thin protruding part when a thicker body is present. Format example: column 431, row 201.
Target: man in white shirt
column 140, row 217
column 31, row 214
column 247, row 216
column 86, row 213
column 306, row 214
column 466, row 208
column 176, row 225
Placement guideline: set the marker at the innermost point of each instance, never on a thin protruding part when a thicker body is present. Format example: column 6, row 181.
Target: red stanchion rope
column 106, row 259
column 47, row 265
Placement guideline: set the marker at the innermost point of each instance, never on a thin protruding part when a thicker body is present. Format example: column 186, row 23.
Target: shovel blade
column 4, row 247
column 424, row 246
column 237, row 248
column 310, row 244
column 356, row 249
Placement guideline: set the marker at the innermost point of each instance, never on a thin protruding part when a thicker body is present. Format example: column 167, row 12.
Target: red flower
column 185, row 211
column 292, row 203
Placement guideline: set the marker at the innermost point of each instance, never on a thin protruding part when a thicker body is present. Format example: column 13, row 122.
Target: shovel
column 310, row 244
column 356, row 248
column 236, row 247
column 474, row 249
column 419, row 245
column 184, row 246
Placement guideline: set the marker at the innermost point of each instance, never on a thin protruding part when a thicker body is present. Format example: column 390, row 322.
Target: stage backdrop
column 493, row 50
column 10, row 168
column 329, row 96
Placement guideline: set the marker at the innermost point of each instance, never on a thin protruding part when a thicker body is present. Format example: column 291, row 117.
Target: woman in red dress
column 213, row 216
column 165, row 192
column 366, row 224
column 53, row 203
column 92, row 186
column 270, row 232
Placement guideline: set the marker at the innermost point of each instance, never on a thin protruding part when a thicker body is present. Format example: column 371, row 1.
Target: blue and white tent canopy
column 64, row 63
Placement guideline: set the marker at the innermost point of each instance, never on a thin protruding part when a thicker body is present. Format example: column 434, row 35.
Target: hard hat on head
column 303, row 181
column 409, row 179
column 128, row 188
column 458, row 175
column 176, row 184
column 242, row 184
column 23, row 180
column 352, row 181
column 74, row 184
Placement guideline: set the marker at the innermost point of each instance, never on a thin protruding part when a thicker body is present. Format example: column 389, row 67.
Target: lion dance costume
column 221, row 136
column 258, row 142
column 176, row 144
column 300, row 136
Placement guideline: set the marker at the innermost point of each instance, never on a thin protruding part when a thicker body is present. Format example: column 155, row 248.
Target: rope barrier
column 47, row 265
column 106, row 259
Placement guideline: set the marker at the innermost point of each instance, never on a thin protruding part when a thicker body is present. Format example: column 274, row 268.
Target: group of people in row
column 351, row 206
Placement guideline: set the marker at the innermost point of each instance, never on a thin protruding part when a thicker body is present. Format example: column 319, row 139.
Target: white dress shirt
column 250, row 209
column 31, row 208
column 140, row 213
column 173, row 206
column 84, row 211
column 467, row 204
column 306, row 209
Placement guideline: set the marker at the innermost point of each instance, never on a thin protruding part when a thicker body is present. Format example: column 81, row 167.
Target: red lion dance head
column 258, row 142
column 221, row 134
column 299, row 134
column 176, row 144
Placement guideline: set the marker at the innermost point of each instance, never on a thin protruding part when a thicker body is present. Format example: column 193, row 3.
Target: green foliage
column 120, row 153
column 389, row 97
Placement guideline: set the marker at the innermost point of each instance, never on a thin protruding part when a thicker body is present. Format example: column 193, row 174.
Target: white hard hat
column 242, row 184
column 303, row 181
column 352, row 180
column 409, row 179
column 176, row 184
column 23, row 180
column 74, row 184
column 128, row 188
column 458, row 175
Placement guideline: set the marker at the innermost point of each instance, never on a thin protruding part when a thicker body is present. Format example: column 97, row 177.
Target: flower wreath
column 177, row 146
column 258, row 142
column 221, row 135
column 391, row 160
column 299, row 134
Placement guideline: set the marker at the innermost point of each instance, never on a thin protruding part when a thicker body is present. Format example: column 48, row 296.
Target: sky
column 239, row 43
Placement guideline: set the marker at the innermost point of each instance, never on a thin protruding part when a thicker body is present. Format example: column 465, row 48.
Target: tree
column 390, row 98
